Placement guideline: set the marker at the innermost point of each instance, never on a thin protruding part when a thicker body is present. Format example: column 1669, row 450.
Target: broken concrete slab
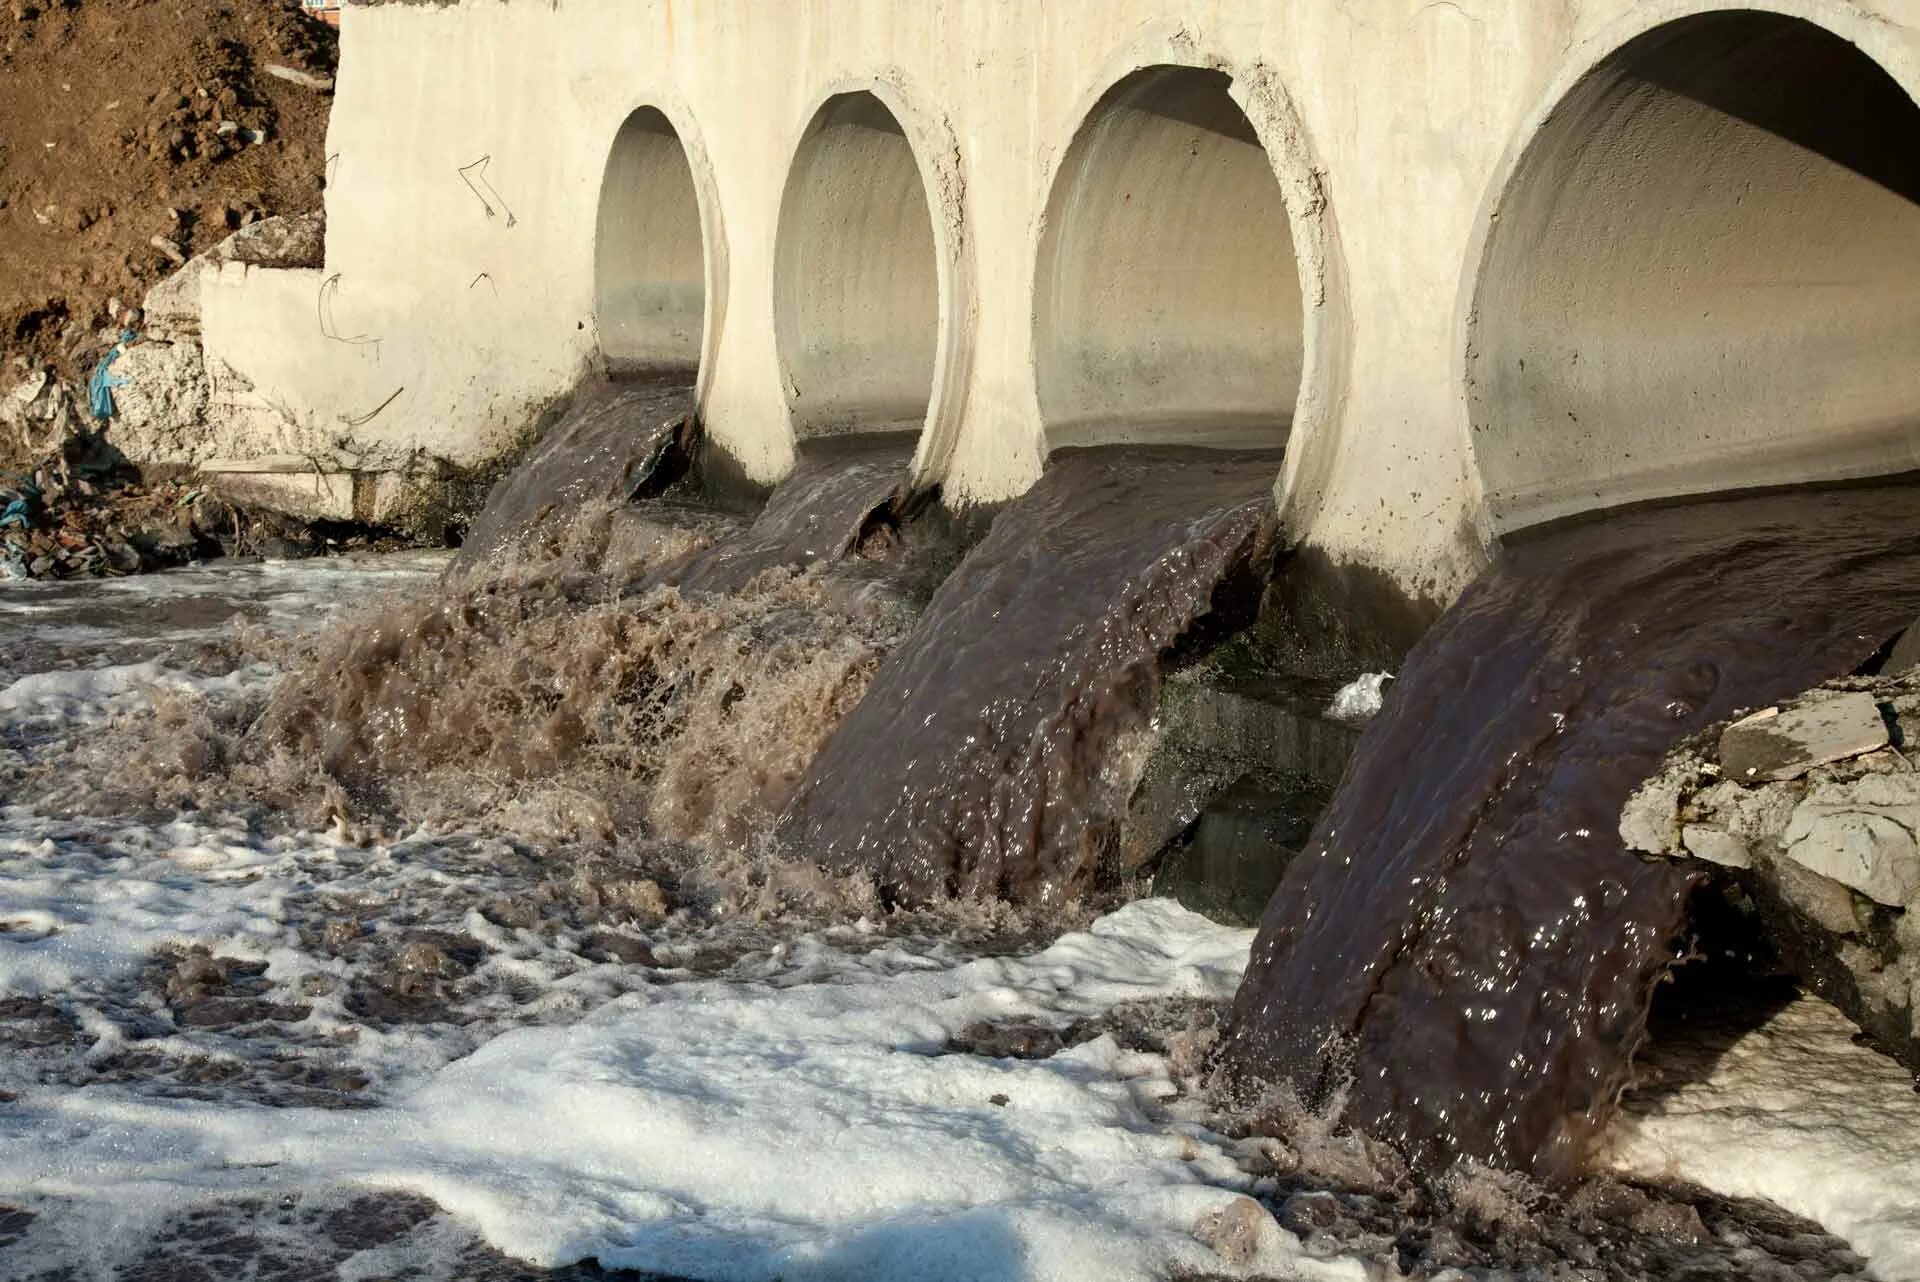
column 1650, row 822
column 1870, row 852
column 1716, row 846
column 1240, row 847
column 1779, row 744
column 1215, row 727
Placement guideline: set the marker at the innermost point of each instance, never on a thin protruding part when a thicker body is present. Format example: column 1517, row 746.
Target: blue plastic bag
column 100, row 386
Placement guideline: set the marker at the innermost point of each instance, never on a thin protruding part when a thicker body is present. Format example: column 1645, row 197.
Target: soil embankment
column 134, row 135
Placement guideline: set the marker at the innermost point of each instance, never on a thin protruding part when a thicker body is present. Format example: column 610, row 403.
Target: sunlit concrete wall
column 470, row 149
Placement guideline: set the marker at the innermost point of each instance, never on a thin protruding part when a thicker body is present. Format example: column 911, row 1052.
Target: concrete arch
column 1169, row 302
column 869, row 300
column 658, row 255
column 1700, row 271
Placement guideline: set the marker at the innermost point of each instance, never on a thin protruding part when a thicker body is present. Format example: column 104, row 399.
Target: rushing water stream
column 980, row 762
column 666, row 887
column 1466, row 947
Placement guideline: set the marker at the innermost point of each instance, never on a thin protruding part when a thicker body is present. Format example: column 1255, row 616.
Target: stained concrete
column 1475, row 193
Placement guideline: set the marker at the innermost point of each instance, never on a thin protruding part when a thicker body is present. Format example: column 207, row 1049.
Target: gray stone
column 1754, row 815
column 294, row 76
column 1821, row 900
column 1777, row 744
column 171, row 250
column 1716, row 845
column 1650, row 823
column 1868, row 851
column 291, row 240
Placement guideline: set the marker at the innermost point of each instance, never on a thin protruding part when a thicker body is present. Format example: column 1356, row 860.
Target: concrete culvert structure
column 650, row 259
column 1703, row 274
column 856, row 278
column 1168, row 305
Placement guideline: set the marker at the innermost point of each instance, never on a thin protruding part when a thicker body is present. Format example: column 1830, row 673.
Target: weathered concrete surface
column 1821, row 854
column 1747, row 260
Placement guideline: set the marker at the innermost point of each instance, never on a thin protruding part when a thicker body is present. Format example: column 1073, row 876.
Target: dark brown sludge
column 1466, row 948
column 839, row 487
column 979, row 762
column 615, row 443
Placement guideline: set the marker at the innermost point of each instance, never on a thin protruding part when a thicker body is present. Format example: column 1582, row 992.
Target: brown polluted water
column 617, row 442
column 1465, row 953
column 840, row 489
column 980, row 761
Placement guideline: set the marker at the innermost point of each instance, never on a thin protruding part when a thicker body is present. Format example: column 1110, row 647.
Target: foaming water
column 981, row 762
column 1466, row 947
column 459, row 935
column 601, row 659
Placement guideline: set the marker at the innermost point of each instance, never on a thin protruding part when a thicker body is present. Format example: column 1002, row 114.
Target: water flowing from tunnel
column 1466, row 950
column 983, row 760
column 616, row 443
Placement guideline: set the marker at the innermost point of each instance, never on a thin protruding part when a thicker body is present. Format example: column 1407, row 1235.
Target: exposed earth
column 134, row 134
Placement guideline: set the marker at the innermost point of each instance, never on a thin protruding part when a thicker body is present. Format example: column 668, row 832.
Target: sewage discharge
column 628, row 440
column 1465, row 952
column 981, row 762
column 841, row 489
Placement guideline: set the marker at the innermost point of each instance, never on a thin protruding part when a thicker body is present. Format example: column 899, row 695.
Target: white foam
column 90, row 696
column 1361, row 699
column 1796, row 1113
column 747, row 1131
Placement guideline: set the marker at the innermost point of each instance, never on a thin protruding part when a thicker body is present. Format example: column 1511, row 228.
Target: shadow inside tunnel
column 1793, row 79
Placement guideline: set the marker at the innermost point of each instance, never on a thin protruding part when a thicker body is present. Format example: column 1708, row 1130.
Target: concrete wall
column 1463, row 193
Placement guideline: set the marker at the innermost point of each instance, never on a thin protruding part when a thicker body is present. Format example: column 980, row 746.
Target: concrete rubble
column 163, row 410
column 1805, row 817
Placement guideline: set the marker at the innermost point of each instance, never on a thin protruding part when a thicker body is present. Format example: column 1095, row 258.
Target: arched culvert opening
column 649, row 251
column 1168, row 304
column 1703, row 274
column 856, row 278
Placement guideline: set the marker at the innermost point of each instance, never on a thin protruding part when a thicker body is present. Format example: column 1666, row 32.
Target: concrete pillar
column 1714, row 214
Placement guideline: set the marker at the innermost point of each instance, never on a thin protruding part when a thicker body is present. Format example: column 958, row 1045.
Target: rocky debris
column 80, row 509
column 1805, row 818
column 209, row 992
column 162, row 410
column 172, row 307
column 1237, row 1231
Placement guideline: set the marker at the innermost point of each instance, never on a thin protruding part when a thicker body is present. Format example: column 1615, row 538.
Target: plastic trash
column 100, row 386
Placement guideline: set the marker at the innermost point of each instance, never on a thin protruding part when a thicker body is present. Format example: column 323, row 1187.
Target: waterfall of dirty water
column 592, row 666
column 1466, row 949
column 840, row 486
column 617, row 443
column 979, row 762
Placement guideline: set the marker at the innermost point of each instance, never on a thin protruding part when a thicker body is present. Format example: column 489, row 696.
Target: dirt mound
column 133, row 132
